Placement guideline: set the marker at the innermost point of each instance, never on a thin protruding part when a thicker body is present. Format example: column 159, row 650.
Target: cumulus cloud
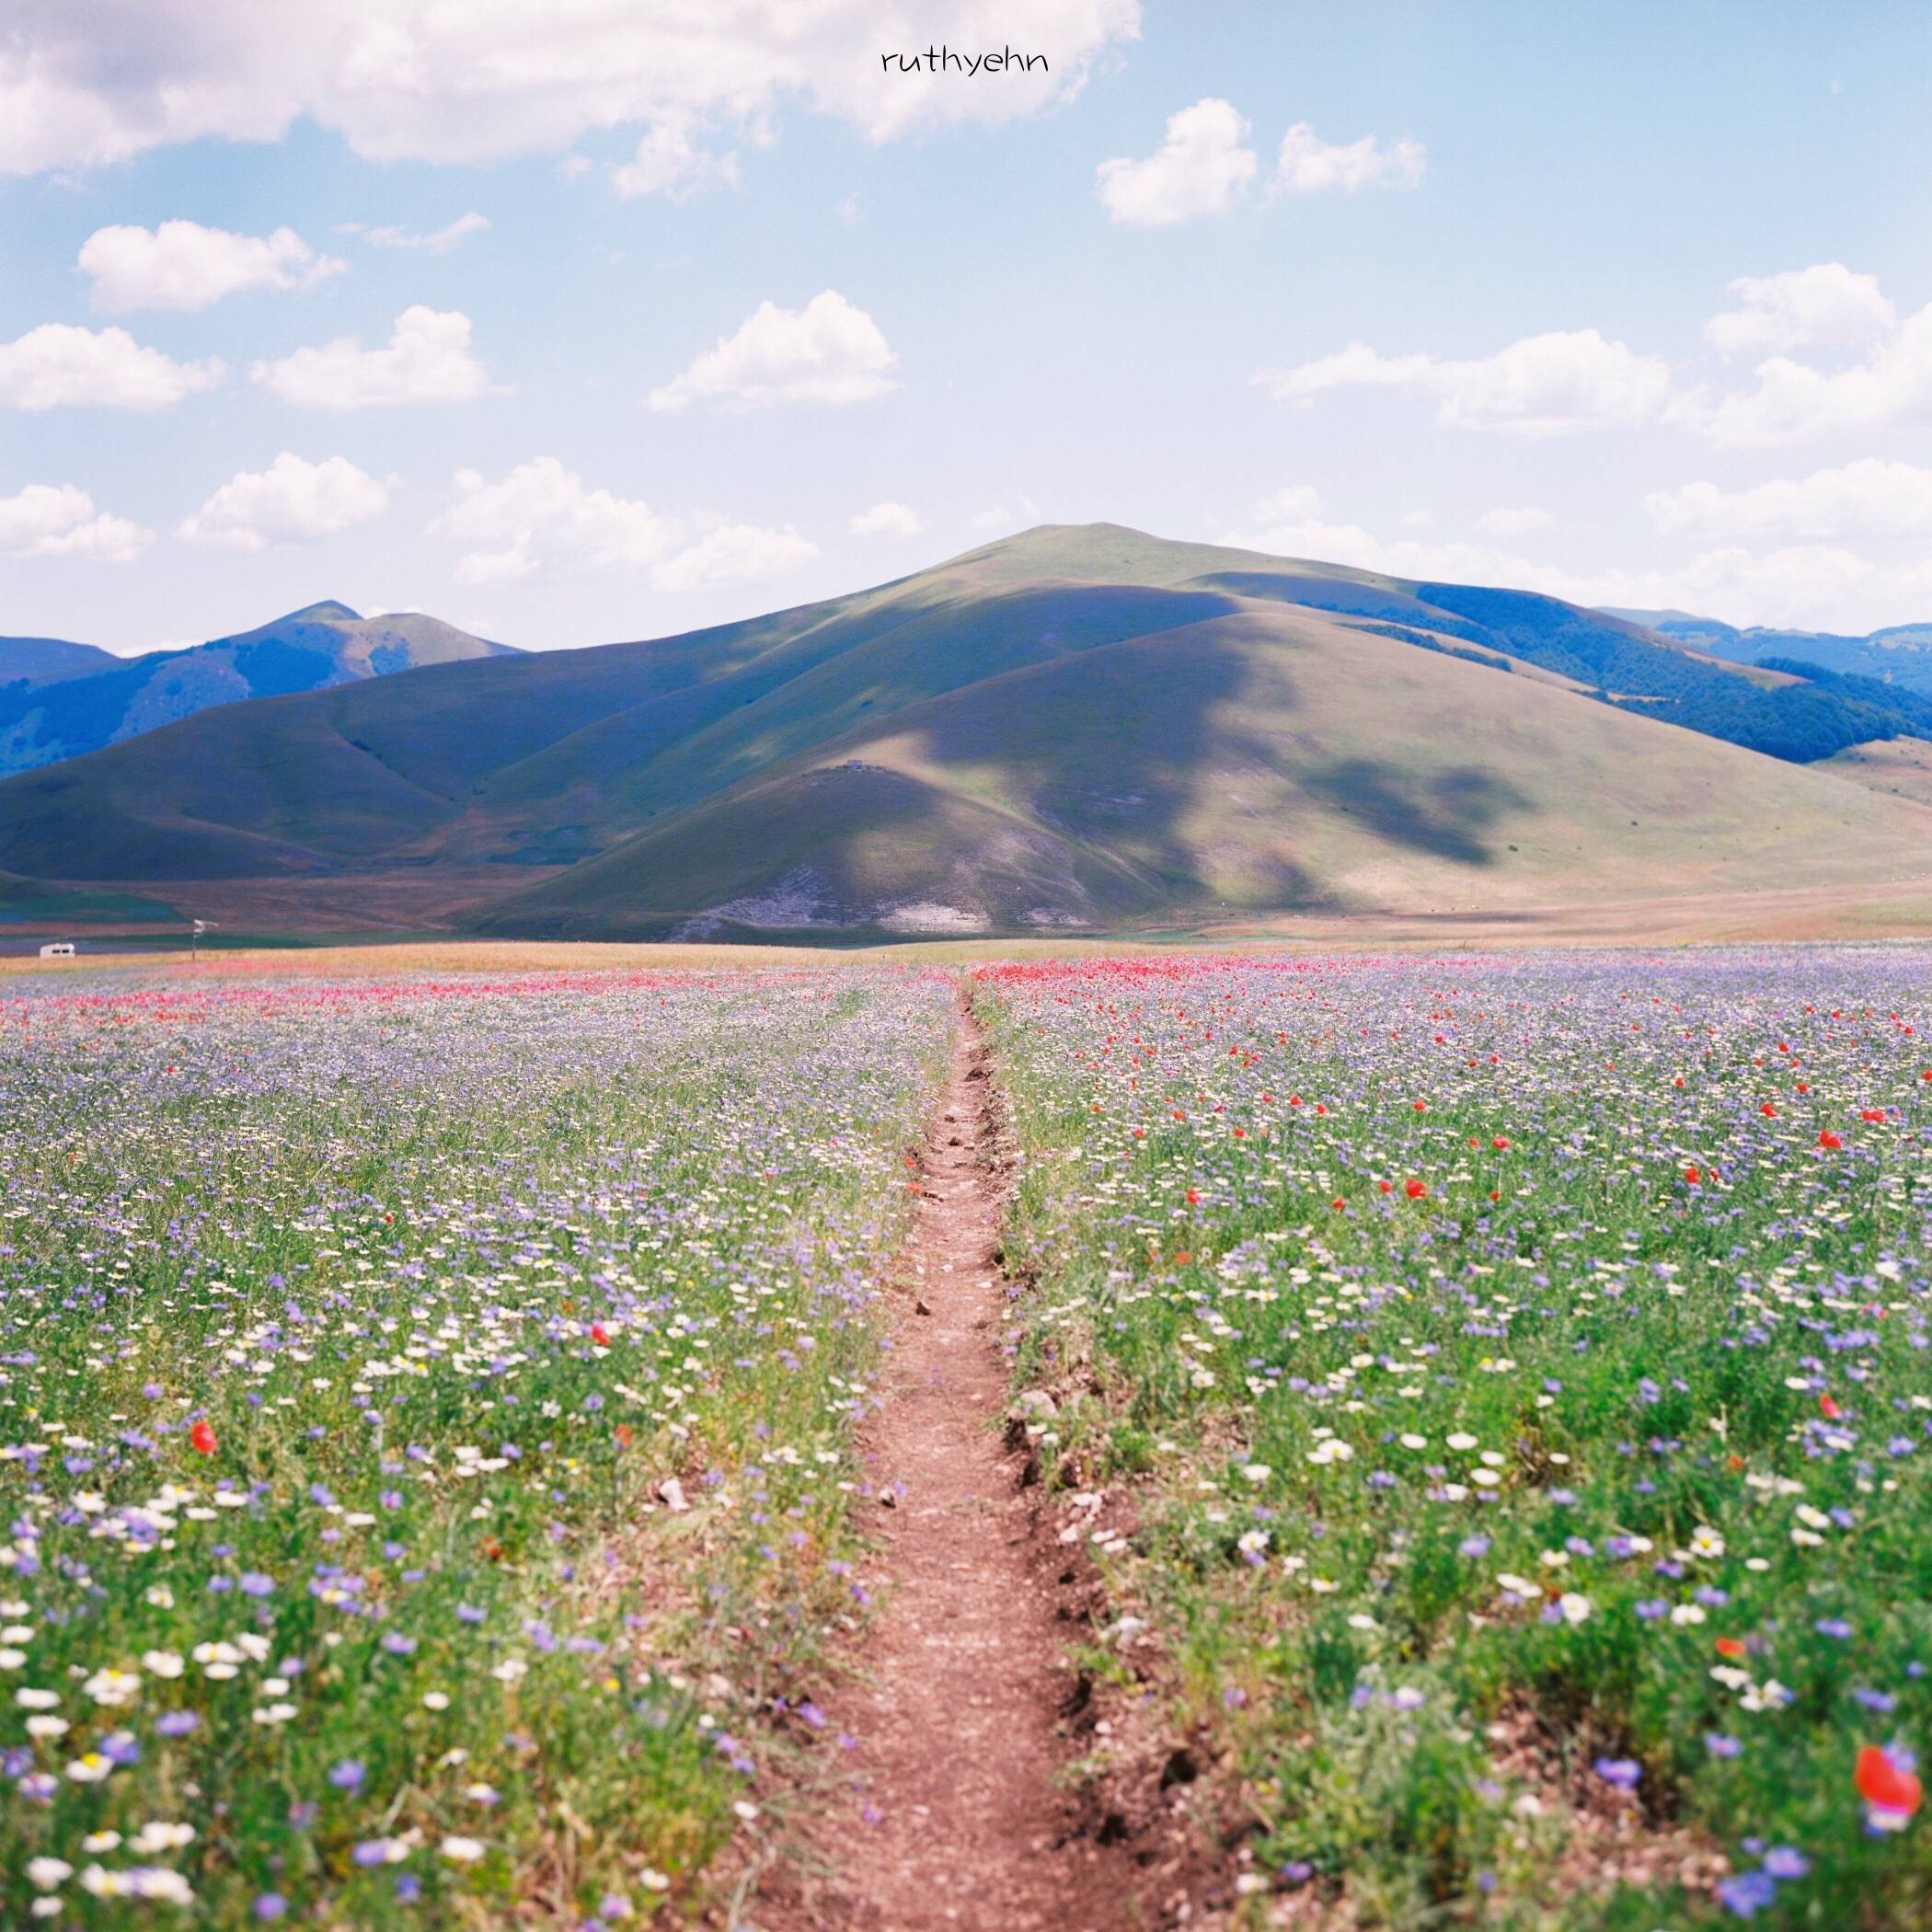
column 422, row 80
column 539, row 519
column 439, row 241
column 1866, row 368
column 669, row 162
column 1824, row 303
column 886, row 520
column 58, row 364
column 1797, row 401
column 827, row 351
column 427, row 359
column 1867, row 498
column 732, row 553
column 1542, row 385
column 1203, row 168
column 59, row 520
column 1308, row 165
column 182, row 265
column 291, row 501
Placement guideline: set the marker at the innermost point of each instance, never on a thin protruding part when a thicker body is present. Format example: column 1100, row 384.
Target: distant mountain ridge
column 61, row 700
column 1899, row 654
column 45, row 661
column 1076, row 728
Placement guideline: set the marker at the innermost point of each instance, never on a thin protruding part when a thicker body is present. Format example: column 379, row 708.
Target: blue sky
column 1640, row 301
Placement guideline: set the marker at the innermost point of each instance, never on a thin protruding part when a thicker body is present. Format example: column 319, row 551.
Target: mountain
column 1900, row 655
column 46, row 661
column 1078, row 729
column 58, row 700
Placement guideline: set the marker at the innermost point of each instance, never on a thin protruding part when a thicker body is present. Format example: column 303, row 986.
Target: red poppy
column 624, row 1435
column 1387, row 1186
column 600, row 1335
column 1693, row 1175
column 1828, row 1408
column 1500, row 1144
column 1421, row 1106
column 1829, row 1140
column 1340, row 1205
column 201, row 1438
column 1193, row 1197
column 1884, row 1786
column 1770, row 1111
column 1415, row 1189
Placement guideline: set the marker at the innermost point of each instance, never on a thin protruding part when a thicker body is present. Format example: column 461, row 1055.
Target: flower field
column 1495, row 1393
column 425, row 1415
column 1500, row 1390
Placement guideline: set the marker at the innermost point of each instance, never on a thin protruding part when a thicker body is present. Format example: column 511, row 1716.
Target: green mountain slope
column 76, row 704
column 1077, row 729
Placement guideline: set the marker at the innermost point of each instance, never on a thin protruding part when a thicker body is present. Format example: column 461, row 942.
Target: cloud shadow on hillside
column 1445, row 814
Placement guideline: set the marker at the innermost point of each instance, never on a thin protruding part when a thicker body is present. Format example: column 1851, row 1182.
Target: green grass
column 1566, row 1520
column 425, row 1427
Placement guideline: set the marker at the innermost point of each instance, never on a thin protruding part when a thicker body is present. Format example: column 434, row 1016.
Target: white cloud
column 1203, row 168
column 1542, row 385
column 1824, row 303
column 58, row 520
column 421, row 79
column 291, row 501
column 827, row 351
column 427, row 359
column 1867, row 498
column 1795, row 400
column 1308, row 165
column 439, row 241
column 669, row 162
column 1523, row 522
column 58, row 363
column 182, row 265
column 539, row 519
column 886, row 520
column 733, row 553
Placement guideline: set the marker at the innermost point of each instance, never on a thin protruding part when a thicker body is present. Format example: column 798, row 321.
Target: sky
column 579, row 320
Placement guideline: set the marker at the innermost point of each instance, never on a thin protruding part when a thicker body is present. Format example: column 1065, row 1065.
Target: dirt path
column 953, row 1822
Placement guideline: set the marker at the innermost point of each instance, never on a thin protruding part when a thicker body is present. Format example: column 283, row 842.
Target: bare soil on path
column 953, row 1823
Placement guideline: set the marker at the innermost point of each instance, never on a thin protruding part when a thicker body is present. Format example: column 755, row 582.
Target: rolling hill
column 1075, row 730
column 61, row 700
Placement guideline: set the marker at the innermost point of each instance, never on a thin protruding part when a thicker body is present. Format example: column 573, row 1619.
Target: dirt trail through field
column 955, row 1824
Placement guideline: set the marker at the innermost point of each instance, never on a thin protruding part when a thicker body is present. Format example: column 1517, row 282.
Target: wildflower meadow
column 1493, row 1394
column 1500, row 1390
column 425, row 1416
